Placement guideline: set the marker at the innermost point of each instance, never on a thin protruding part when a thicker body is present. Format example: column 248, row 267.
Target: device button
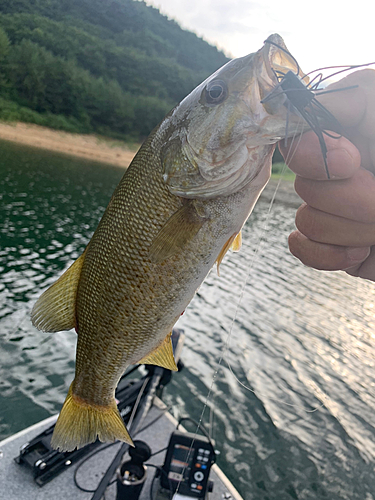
column 203, row 466
column 199, row 487
column 199, row 476
column 205, row 459
column 193, row 486
column 207, row 452
column 197, row 466
column 201, row 450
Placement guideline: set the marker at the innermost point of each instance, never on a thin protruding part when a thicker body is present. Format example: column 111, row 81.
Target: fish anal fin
column 80, row 423
column 180, row 228
column 55, row 309
column 161, row 356
column 234, row 243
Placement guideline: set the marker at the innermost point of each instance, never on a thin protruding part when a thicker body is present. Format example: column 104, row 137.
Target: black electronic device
column 187, row 464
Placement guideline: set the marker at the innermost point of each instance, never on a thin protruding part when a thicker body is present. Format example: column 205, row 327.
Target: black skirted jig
column 301, row 99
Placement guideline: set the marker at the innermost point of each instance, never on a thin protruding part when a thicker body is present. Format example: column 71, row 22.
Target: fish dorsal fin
column 55, row 310
column 180, row 228
column 161, row 356
column 234, row 243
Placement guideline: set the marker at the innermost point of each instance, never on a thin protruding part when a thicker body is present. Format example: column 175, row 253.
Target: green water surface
column 302, row 343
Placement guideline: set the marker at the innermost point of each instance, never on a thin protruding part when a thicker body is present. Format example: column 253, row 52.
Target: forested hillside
column 108, row 66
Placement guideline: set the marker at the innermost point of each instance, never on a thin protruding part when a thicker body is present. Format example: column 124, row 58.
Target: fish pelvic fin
column 55, row 310
column 81, row 423
column 181, row 228
column 234, row 243
column 162, row 355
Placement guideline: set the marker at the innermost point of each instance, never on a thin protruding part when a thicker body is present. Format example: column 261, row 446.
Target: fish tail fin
column 80, row 423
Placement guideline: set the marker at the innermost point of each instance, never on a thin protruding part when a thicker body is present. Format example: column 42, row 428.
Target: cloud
column 316, row 37
column 220, row 16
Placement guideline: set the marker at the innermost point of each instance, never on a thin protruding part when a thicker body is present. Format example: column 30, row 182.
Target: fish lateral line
column 231, row 141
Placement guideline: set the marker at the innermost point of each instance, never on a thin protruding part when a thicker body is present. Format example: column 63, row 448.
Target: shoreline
column 107, row 151
column 90, row 147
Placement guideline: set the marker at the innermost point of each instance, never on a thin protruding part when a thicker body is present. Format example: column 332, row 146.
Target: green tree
column 111, row 66
column 4, row 50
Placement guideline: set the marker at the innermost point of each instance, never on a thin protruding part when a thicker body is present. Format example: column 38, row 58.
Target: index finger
column 305, row 158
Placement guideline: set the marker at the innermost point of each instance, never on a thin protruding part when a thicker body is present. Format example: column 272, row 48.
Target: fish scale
column 178, row 208
column 129, row 274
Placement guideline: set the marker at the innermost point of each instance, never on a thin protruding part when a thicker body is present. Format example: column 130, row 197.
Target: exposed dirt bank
column 90, row 147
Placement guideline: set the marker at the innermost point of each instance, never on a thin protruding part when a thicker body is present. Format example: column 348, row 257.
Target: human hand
column 336, row 224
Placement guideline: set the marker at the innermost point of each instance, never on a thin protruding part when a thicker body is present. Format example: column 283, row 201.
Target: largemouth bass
column 179, row 207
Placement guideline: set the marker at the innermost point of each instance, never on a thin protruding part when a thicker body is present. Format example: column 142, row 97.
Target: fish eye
column 216, row 92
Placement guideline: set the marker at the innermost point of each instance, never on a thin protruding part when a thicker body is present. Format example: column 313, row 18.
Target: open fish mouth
column 227, row 134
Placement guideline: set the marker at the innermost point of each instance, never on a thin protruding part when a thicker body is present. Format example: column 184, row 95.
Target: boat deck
column 17, row 482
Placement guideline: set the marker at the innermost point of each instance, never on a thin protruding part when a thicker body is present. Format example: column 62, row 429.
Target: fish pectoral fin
column 180, row 228
column 237, row 243
column 161, row 356
column 81, row 423
column 55, row 309
column 234, row 243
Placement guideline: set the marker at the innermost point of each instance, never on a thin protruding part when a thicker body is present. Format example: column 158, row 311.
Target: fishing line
column 302, row 97
column 346, row 68
column 319, row 76
column 291, row 153
column 312, row 121
column 135, row 407
column 312, row 90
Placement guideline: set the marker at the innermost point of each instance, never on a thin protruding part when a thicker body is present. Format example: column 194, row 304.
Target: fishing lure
column 301, row 99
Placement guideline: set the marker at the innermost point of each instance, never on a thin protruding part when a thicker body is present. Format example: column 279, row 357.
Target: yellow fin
column 178, row 230
column 237, row 243
column 55, row 309
column 161, row 356
column 80, row 423
column 234, row 243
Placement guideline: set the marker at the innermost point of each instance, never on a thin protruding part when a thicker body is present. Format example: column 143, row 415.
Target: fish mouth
column 277, row 58
column 269, row 103
column 223, row 146
column 275, row 61
column 263, row 124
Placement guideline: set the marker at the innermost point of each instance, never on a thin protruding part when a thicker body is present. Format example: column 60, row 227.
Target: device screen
column 181, row 462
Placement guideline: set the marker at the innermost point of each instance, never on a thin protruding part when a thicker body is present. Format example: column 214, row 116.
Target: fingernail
column 358, row 254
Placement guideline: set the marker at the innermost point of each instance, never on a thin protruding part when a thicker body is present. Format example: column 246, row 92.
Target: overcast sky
column 318, row 33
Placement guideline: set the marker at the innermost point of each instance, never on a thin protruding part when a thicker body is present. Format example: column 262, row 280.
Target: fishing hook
column 301, row 98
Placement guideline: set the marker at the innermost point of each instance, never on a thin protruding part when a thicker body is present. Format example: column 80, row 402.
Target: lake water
column 303, row 342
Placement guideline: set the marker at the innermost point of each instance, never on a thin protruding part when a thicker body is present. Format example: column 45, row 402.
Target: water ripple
column 302, row 342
